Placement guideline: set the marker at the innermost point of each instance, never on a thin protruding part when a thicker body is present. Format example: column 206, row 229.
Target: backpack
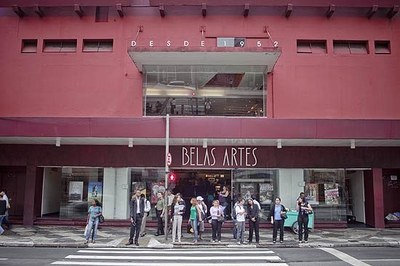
column 147, row 206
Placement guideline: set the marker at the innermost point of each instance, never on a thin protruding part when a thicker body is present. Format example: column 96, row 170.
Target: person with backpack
column 278, row 216
column 147, row 208
column 203, row 213
column 217, row 217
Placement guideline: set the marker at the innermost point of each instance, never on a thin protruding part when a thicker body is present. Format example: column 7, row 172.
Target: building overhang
column 264, row 58
column 196, row 131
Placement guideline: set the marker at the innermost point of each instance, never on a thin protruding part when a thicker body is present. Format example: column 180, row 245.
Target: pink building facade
column 267, row 99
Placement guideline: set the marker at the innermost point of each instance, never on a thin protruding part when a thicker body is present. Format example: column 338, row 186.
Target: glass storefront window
column 78, row 187
column 324, row 190
column 260, row 184
column 204, row 90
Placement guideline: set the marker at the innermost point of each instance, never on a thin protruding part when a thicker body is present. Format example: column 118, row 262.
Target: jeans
column 143, row 226
column 1, row 221
column 177, row 227
column 193, row 223
column 160, row 225
column 240, row 231
column 303, row 225
column 278, row 224
column 216, row 229
column 92, row 225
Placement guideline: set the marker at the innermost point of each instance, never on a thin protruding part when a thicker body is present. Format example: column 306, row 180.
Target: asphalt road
column 230, row 256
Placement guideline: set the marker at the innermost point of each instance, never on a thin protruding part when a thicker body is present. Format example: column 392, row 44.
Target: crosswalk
column 173, row 257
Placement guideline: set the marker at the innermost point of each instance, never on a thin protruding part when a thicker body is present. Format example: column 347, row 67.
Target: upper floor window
column 382, row 47
column 98, row 45
column 200, row 90
column 59, row 46
column 29, row 46
column 350, row 47
column 311, row 46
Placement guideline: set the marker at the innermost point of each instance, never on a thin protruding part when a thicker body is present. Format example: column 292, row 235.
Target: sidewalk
column 72, row 237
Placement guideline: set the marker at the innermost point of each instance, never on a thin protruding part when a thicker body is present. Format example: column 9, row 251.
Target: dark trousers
column 278, row 224
column 254, row 226
column 216, row 229
column 135, row 228
column 160, row 225
column 303, row 225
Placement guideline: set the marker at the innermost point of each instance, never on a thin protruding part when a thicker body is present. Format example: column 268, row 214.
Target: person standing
column 178, row 208
column 303, row 208
column 217, row 216
column 240, row 221
column 6, row 221
column 254, row 221
column 3, row 209
column 160, row 209
column 277, row 214
column 203, row 214
column 136, row 213
column 147, row 208
column 93, row 220
column 195, row 217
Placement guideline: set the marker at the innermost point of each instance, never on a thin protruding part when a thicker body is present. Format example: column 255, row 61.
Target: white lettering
column 151, row 43
column 226, row 158
column 213, row 156
column 258, row 43
column 133, row 43
column 202, row 43
column 192, row 150
column 185, row 43
column 241, row 155
column 233, row 156
column 255, row 157
column 185, row 155
column 247, row 156
column 197, row 158
column 168, row 43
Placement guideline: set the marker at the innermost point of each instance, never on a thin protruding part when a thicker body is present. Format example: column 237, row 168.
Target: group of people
column 200, row 213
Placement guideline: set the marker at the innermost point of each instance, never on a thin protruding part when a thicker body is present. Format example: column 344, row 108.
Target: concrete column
column 29, row 200
column 116, row 193
column 379, row 216
column 291, row 183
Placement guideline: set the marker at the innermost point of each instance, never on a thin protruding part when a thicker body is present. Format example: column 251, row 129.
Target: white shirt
column 239, row 215
column 138, row 205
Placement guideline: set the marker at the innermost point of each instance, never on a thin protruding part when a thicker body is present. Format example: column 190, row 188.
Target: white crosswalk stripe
column 172, row 257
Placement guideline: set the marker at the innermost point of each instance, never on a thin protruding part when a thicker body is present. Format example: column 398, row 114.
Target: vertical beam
column 379, row 216
column 120, row 10
column 166, row 175
column 289, row 10
column 29, row 201
column 204, row 9
column 39, row 11
column 246, row 10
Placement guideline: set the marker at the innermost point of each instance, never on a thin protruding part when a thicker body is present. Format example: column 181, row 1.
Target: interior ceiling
column 200, row 142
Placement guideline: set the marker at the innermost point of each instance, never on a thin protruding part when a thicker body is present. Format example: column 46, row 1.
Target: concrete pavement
column 72, row 236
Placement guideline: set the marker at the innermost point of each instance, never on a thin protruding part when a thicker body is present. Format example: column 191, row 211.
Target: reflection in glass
column 204, row 90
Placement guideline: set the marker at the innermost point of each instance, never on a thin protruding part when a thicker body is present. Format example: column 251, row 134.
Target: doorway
column 355, row 203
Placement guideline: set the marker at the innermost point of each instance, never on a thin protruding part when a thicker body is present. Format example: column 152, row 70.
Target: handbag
column 86, row 232
column 283, row 215
column 101, row 219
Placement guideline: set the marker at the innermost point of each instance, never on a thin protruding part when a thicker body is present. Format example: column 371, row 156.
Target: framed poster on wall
column 95, row 191
column 75, row 191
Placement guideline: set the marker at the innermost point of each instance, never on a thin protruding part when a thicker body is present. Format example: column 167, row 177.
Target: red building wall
column 109, row 85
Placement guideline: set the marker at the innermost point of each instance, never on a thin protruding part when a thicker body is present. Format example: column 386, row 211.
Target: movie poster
column 95, row 191
column 138, row 185
column 75, row 191
column 266, row 193
column 248, row 190
column 155, row 188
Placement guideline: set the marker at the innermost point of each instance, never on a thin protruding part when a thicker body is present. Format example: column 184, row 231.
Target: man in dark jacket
column 136, row 213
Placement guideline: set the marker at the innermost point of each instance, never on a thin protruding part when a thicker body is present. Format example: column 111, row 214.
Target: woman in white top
column 217, row 216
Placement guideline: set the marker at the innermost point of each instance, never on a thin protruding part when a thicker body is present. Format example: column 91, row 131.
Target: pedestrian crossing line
column 172, row 258
column 180, row 252
column 100, row 263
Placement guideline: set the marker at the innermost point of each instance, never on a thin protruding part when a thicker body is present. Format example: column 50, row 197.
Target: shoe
column 137, row 244
column 238, row 243
column 219, row 241
column 195, row 241
column 86, row 241
column 257, row 243
column 129, row 243
column 213, row 241
column 273, row 242
column 142, row 235
column 157, row 234
column 93, row 241
column 281, row 241
column 306, row 241
column 302, row 241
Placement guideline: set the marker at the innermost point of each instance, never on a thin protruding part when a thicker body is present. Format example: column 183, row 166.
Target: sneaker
column 281, row 241
column 86, row 241
column 219, row 241
column 238, row 242
column 306, row 241
column 302, row 241
column 93, row 241
column 195, row 241
column 273, row 242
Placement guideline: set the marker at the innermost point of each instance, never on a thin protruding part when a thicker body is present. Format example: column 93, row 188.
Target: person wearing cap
column 203, row 211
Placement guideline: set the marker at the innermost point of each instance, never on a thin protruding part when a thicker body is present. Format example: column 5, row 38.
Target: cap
column 199, row 198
